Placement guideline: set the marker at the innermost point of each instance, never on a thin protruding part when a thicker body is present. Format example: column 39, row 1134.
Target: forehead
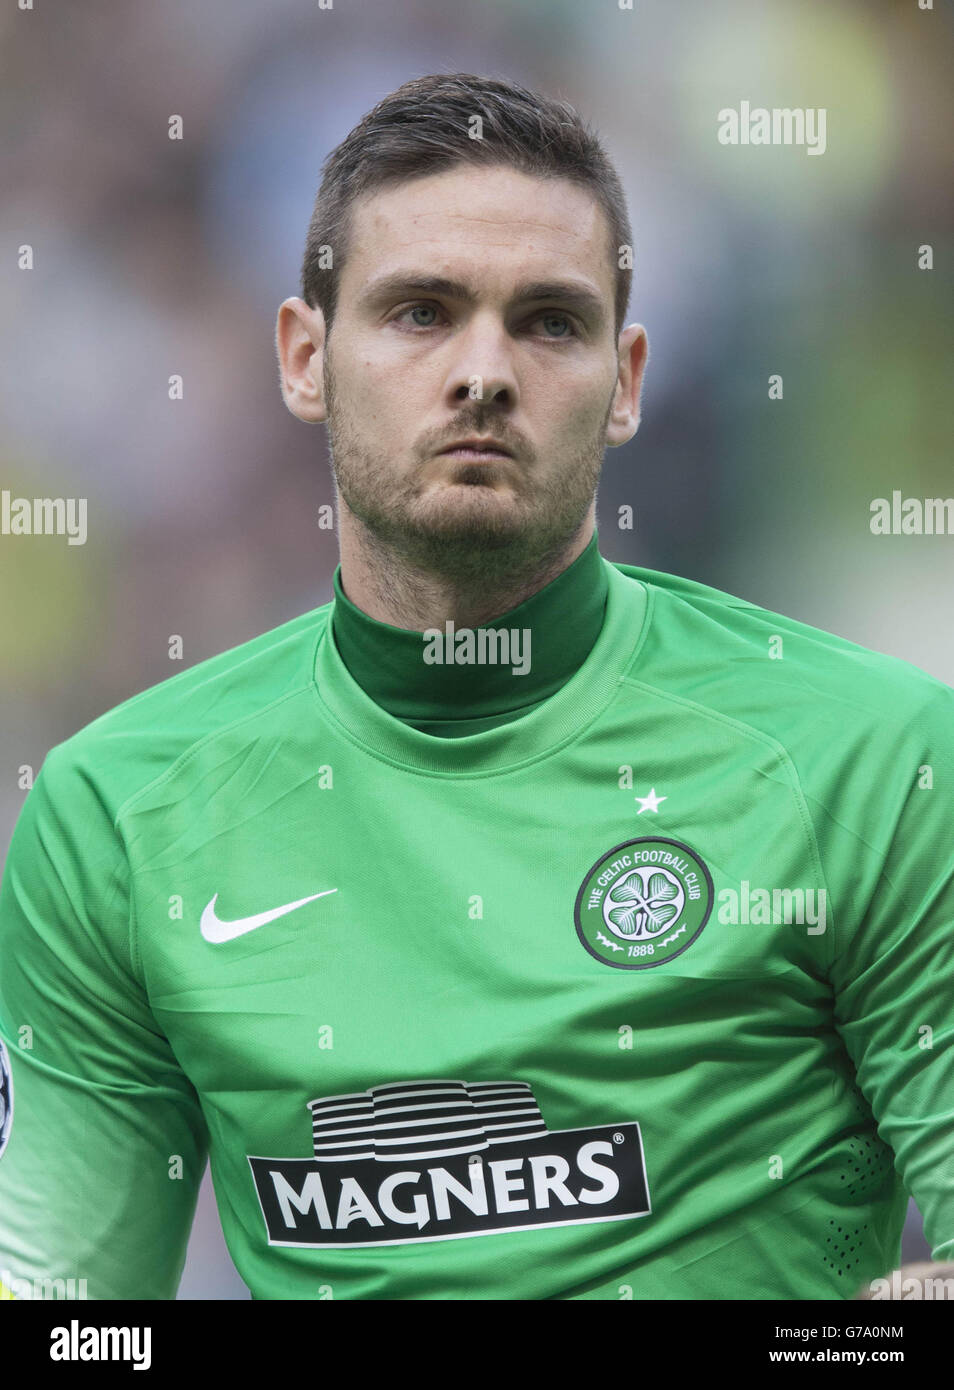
column 493, row 220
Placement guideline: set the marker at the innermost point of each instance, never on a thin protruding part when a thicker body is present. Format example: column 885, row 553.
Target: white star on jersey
column 650, row 802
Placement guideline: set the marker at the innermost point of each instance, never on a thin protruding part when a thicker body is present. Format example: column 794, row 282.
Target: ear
column 300, row 344
column 633, row 356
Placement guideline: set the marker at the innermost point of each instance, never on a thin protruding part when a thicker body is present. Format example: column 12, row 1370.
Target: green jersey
column 646, row 994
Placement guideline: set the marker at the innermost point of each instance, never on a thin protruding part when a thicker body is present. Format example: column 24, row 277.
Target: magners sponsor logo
column 437, row 1160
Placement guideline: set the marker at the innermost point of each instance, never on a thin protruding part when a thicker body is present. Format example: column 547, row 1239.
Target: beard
column 496, row 524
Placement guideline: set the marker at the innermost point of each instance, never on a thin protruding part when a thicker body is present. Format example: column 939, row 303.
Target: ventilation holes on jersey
column 845, row 1243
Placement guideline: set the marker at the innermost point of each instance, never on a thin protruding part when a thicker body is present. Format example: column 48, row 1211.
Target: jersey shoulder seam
column 182, row 758
column 179, row 762
column 781, row 753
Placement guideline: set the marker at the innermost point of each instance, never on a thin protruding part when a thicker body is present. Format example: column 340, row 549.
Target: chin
column 464, row 513
column 480, row 475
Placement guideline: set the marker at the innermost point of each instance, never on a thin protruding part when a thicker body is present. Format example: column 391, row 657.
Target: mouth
column 477, row 451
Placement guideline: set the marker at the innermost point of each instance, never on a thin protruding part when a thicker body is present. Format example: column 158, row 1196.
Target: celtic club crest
column 643, row 903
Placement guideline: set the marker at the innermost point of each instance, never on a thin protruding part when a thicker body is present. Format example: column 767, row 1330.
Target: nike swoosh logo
column 215, row 930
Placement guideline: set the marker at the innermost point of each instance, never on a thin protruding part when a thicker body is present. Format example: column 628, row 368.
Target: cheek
column 570, row 405
column 377, row 397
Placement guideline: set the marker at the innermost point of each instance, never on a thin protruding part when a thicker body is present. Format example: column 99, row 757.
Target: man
column 517, row 925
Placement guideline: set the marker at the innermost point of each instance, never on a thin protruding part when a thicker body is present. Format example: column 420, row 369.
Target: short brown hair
column 422, row 128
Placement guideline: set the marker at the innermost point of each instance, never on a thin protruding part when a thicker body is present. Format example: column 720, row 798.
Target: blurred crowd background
column 155, row 257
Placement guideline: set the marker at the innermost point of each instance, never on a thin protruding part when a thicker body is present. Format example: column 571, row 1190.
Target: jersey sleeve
column 893, row 969
column 105, row 1139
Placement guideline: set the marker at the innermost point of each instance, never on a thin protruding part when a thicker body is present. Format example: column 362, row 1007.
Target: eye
column 416, row 309
column 554, row 318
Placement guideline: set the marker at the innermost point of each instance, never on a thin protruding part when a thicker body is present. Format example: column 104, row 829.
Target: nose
column 482, row 368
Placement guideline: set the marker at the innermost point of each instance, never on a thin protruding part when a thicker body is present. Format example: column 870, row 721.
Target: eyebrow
column 570, row 292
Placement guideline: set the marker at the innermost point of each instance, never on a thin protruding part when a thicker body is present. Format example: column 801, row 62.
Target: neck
column 489, row 678
column 394, row 588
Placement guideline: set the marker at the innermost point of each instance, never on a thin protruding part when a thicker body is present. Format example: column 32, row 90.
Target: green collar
column 561, row 622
